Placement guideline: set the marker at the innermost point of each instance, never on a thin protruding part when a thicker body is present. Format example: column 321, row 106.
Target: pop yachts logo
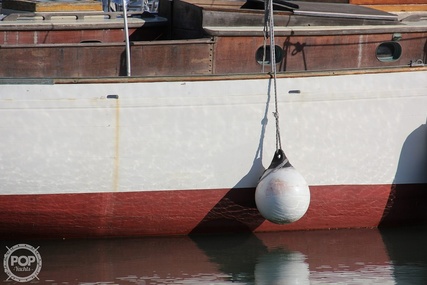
column 22, row 263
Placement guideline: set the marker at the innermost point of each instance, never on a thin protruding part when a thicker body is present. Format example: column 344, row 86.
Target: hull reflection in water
column 307, row 257
column 407, row 249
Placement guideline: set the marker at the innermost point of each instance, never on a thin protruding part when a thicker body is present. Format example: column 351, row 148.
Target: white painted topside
column 336, row 130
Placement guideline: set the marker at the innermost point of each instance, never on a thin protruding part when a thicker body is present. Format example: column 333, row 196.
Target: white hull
column 347, row 129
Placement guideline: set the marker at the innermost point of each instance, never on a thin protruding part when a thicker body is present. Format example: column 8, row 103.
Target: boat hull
column 116, row 157
column 157, row 213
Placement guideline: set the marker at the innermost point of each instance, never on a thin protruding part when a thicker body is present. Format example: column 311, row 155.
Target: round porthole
column 259, row 56
column 389, row 51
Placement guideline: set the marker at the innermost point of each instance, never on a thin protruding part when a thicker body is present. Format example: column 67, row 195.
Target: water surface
column 362, row 256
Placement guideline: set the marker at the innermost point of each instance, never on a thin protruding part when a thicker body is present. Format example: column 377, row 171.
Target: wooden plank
column 313, row 53
column 399, row 8
column 52, row 6
column 212, row 77
column 387, row 2
column 106, row 60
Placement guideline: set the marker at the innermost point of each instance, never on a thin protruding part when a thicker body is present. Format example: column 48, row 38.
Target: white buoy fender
column 282, row 195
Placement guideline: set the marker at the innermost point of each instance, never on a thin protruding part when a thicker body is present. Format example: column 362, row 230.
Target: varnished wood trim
column 228, row 76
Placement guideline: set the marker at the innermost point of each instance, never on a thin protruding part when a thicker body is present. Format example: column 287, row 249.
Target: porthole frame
column 389, row 51
column 259, row 54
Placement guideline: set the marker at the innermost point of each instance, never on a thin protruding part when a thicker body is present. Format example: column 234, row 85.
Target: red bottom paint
column 185, row 212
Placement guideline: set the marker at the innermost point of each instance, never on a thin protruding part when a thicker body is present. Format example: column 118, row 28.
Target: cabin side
column 215, row 37
column 314, row 37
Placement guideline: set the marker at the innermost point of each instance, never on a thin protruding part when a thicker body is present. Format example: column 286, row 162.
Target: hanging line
column 265, row 32
column 269, row 32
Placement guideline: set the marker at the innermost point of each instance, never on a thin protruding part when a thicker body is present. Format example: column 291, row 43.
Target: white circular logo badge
column 22, row 263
